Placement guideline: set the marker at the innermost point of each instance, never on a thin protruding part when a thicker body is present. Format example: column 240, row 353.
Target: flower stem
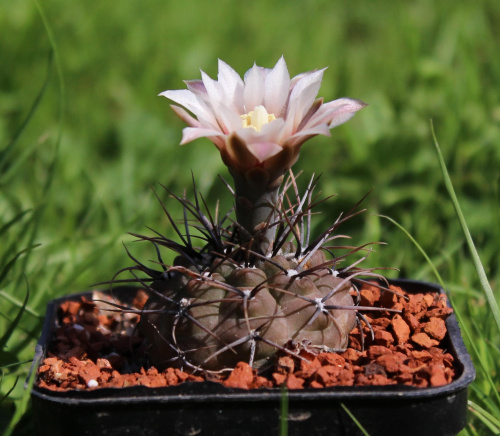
column 256, row 198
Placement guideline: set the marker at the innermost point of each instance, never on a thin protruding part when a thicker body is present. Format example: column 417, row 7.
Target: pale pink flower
column 262, row 120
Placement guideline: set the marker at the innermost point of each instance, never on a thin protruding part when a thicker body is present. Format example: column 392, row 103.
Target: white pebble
column 92, row 383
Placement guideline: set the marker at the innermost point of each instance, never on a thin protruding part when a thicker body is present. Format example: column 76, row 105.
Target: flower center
column 257, row 118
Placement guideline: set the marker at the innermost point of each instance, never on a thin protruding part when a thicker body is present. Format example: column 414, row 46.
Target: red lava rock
column 70, row 308
column 263, row 382
column 181, row 375
column 170, row 376
column 420, row 381
column 241, row 377
column 327, row 374
column 416, row 305
column 423, row 355
column 285, row 365
column 156, row 382
column 424, row 340
column 401, row 329
column 383, row 337
column 440, row 312
column 90, row 347
column 392, row 363
column 308, row 368
column 331, row 359
column 377, row 350
column 437, row 376
column 411, row 320
column 353, row 356
column 372, row 380
column 405, row 378
column 355, row 340
column 380, row 322
column 293, row 382
column 434, row 374
column 279, row 378
column 429, row 299
column 435, row 328
column 398, row 290
column 104, row 364
column 389, row 362
column 346, row 377
column 369, row 296
column 388, row 299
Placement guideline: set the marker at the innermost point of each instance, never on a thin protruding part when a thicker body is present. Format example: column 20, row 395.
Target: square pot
column 209, row 408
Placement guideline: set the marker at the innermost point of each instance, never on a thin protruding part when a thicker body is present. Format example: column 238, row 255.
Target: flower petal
column 315, row 108
column 277, row 85
column 289, row 121
column 222, row 105
column 322, row 116
column 229, row 120
column 271, row 132
column 193, row 104
column 274, row 130
column 238, row 153
column 185, row 116
column 214, row 91
column 345, row 108
column 191, row 133
column 296, row 78
column 303, row 135
column 253, row 93
column 304, row 94
column 197, row 87
column 320, row 129
column 264, row 150
column 232, row 84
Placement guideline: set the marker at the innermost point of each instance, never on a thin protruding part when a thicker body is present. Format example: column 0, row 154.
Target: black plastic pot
column 211, row 409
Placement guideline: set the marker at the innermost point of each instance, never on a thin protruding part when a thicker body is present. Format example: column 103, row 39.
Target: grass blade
column 14, row 323
column 475, row 256
column 361, row 428
column 10, row 223
column 284, row 412
column 11, row 263
column 10, row 146
column 21, row 405
column 17, row 303
column 10, row 390
column 37, row 218
column 486, row 418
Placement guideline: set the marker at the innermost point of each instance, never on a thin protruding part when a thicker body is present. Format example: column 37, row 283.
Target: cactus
column 229, row 301
column 258, row 285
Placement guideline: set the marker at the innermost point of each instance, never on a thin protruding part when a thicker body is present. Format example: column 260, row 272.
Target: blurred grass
column 411, row 61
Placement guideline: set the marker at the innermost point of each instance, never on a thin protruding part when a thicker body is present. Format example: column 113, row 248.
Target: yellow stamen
column 257, row 118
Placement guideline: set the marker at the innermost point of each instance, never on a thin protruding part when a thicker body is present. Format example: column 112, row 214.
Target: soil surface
column 94, row 348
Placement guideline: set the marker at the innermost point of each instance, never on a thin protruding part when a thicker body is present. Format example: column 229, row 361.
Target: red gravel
column 92, row 348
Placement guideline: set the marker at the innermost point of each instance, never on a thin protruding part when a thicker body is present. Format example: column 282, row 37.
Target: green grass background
column 84, row 137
